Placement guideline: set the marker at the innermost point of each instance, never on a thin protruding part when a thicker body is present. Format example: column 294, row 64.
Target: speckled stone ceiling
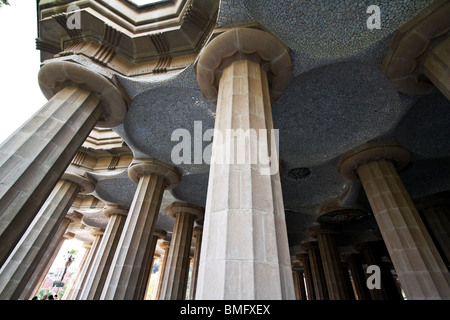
column 337, row 99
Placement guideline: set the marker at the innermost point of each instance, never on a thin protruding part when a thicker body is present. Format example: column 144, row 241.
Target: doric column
column 197, row 234
column 102, row 261
column 84, row 273
column 318, row 276
column 435, row 211
column 177, row 265
column 299, row 284
column 309, row 282
column 354, row 262
column 331, row 261
column 157, row 234
column 419, row 56
column 18, row 269
column 165, row 245
column 71, row 287
column 421, row 270
column 129, row 266
column 33, row 159
column 243, row 70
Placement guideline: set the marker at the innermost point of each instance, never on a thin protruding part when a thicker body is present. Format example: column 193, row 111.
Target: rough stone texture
column 34, row 158
column 19, row 267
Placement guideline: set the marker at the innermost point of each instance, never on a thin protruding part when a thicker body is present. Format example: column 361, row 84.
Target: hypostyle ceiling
column 337, row 99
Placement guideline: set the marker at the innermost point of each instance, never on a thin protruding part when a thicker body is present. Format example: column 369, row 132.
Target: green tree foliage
column 2, row 2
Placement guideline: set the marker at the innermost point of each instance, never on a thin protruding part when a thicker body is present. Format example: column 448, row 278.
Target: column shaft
column 329, row 252
column 177, row 265
column 102, row 260
column 245, row 234
column 320, row 285
column 20, row 265
column 420, row 269
column 438, row 221
column 128, row 273
column 33, row 159
column 309, row 282
column 198, row 244
column 358, row 276
column 166, row 246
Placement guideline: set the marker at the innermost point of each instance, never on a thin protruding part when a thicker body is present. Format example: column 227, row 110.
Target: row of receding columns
column 245, row 241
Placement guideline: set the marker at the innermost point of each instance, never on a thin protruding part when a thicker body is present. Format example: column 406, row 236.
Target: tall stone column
column 331, row 261
column 354, row 262
column 157, row 234
column 33, row 159
column 165, row 245
column 435, row 211
column 421, row 270
column 318, row 276
column 197, row 234
column 299, row 284
column 84, row 273
column 177, row 265
column 309, row 282
column 102, row 261
column 128, row 273
column 18, row 269
column 245, row 247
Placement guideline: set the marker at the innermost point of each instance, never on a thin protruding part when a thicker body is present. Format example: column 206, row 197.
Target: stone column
column 158, row 234
column 421, row 270
column 331, row 261
column 84, row 273
column 18, row 269
column 435, row 211
column 33, row 159
column 128, row 274
column 243, row 71
column 418, row 60
column 177, row 265
column 102, row 261
column 309, row 283
column 165, row 246
column 359, row 278
column 197, row 234
column 71, row 287
column 318, row 276
column 299, row 284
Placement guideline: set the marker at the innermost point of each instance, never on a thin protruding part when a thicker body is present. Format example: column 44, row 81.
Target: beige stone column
column 318, row 276
column 102, row 261
column 130, row 264
column 309, row 282
column 33, row 159
column 331, row 261
column 84, row 274
column 421, row 270
column 197, row 234
column 18, row 269
column 69, row 293
column 157, row 234
column 354, row 262
column 177, row 265
column 418, row 59
column 435, row 211
column 245, row 240
column 165, row 245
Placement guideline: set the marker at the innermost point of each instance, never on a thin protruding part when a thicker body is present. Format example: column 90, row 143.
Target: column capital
column 161, row 234
column 184, row 207
column 441, row 199
column 411, row 46
column 164, row 245
column 87, row 184
column 198, row 230
column 141, row 167
column 75, row 216
column 97, row 231
column 55, row 75
column 316, row 230
column 69, row 235
column 371, row 151
column 244, row 43
column 309, row 245
column 115, row 209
